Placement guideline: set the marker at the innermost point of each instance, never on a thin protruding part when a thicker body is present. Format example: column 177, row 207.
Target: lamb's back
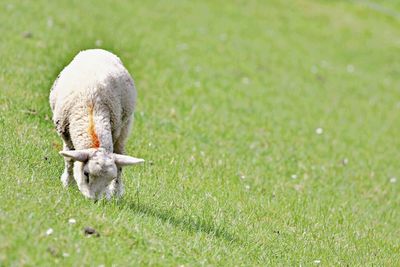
column 94, row 75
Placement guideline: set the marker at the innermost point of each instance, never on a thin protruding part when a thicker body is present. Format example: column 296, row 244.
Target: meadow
column 269, row 129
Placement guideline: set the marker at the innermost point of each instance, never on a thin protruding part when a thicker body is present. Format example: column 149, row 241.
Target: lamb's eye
column 87, row 176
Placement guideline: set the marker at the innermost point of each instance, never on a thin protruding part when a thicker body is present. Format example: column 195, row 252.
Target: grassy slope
column 229, row 100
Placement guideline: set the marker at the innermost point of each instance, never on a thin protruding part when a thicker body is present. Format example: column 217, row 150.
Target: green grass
column 230, row 95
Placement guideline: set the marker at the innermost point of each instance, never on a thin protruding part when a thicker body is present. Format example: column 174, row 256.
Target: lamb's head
column 95, row 169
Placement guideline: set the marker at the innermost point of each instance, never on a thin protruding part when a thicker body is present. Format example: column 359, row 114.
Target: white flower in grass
column 50, row 22
column 294, row 176
column 197, row 84
column 223, row 37
column 393, row 180
column 319, row 131
column 98, row 42
column 49, row 231
column 314, row 69
column 350, row 68
column 72, row 221
column 172, row 112
column 317, row 261
column 9, row 6
column 245, row 80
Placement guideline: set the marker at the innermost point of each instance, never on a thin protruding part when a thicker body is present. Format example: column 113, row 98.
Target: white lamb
column 93, row 100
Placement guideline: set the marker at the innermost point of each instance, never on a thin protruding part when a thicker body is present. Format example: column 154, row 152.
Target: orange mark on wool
column 92, row 130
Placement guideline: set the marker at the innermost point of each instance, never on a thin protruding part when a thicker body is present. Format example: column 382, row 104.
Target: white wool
column 94, row 78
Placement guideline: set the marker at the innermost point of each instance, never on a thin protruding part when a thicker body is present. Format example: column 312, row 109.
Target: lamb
column 92, row 101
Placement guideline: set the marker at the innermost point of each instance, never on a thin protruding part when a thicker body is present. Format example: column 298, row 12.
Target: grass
column 230, row 97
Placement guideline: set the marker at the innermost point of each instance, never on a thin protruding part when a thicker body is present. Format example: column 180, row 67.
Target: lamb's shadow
column 186, row 223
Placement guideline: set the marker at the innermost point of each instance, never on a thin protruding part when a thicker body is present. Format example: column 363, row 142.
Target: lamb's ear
column 123, row 160
column 78, row 155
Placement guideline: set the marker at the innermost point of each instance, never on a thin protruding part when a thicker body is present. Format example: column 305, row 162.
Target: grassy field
column 270, row 131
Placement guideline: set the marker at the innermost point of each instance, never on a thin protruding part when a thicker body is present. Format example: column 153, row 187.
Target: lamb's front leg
column 67, row 177
column 116, row 187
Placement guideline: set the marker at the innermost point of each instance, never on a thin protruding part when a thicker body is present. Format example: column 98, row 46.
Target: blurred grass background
column 229, row 99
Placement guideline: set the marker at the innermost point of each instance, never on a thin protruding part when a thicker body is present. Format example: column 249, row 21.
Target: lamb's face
column 95, row 169
column 95, row 175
